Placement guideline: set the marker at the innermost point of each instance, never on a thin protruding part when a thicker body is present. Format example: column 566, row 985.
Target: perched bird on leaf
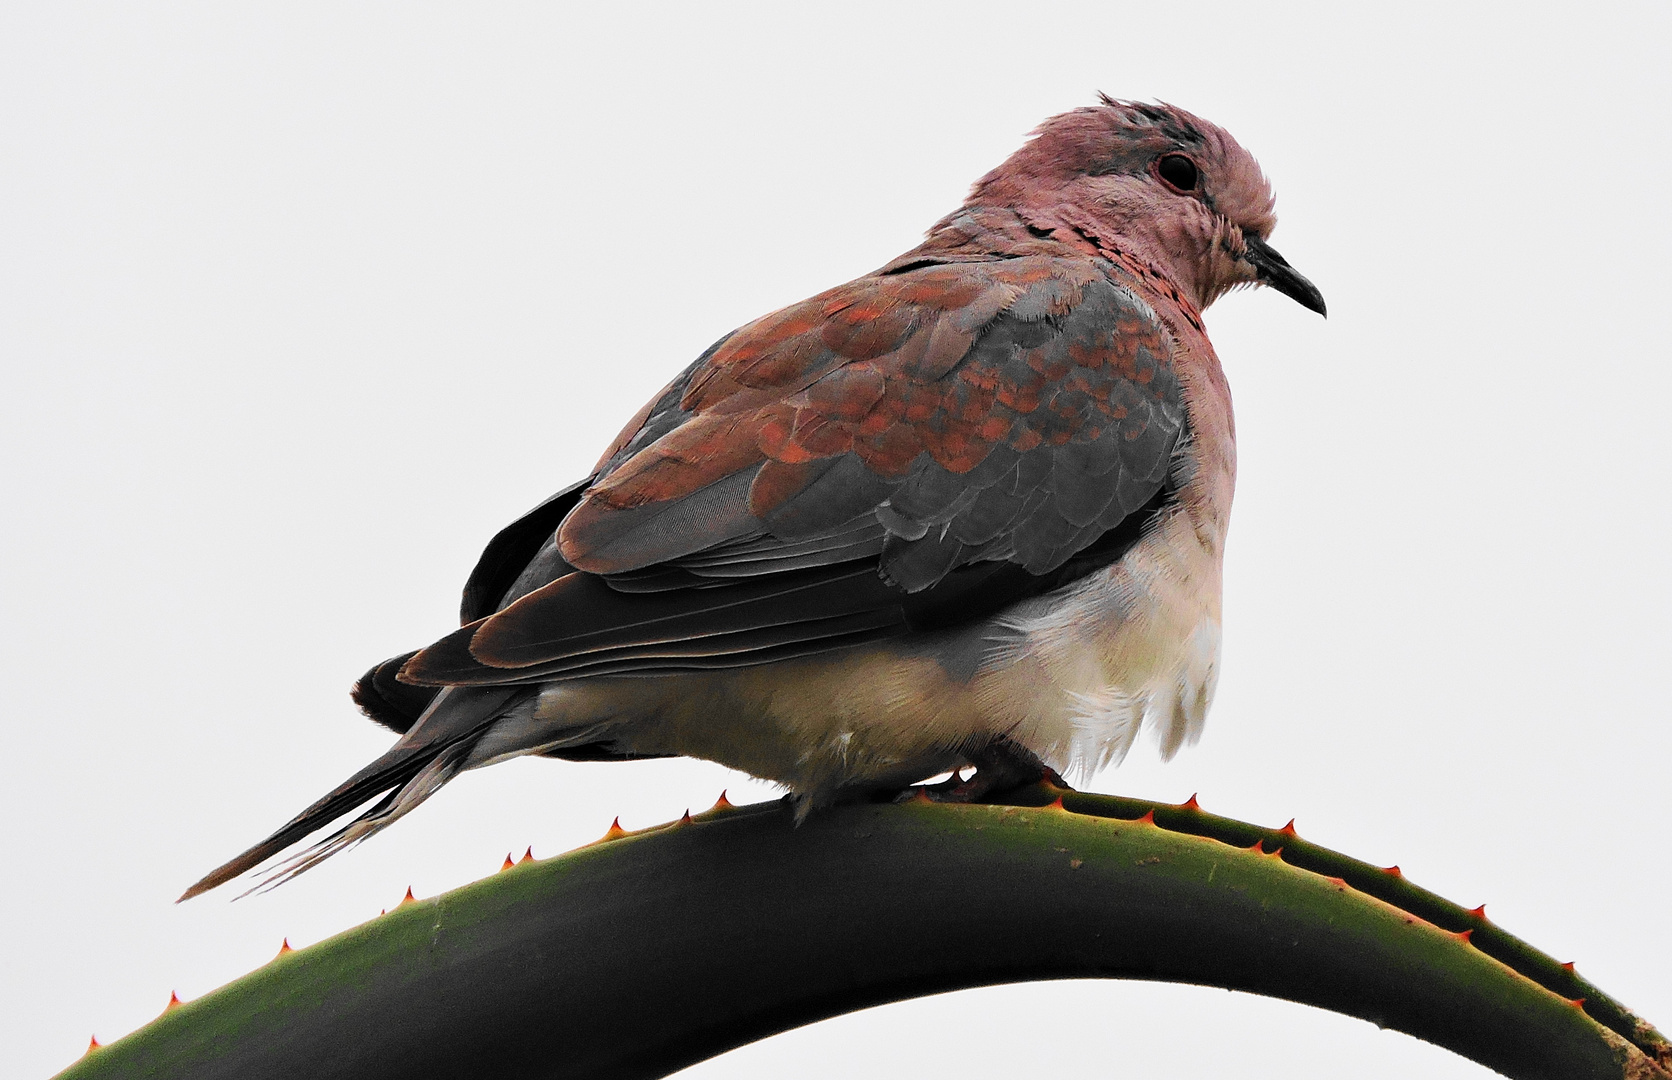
column 966, row 510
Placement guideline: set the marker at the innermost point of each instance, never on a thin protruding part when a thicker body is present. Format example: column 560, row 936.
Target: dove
column 966, row 512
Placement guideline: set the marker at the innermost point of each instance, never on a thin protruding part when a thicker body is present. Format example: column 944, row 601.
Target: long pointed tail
column 415, row 768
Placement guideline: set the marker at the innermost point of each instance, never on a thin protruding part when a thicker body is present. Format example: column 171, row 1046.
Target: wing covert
column 813, row 474
column 919, row 395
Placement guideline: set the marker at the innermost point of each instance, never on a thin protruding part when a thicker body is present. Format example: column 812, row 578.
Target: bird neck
column 1190, row 253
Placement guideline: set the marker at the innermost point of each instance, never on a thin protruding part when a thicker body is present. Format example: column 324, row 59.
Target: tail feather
column 388, row 810
column 389, row 773
column 413, row 769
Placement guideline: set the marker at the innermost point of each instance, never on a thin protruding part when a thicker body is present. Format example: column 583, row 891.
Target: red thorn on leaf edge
column 1578, row 1003
column 722, row 803
column 685, row 818
column 1289, row 829
column 528, row 855
column 1056, row 804
column 507, row 864
column 1148, row 818
column 1190, row 803
column 1568, row 965
column 1479, row 912
column 93, row 1044
column 174, row 1001
column 614, row 832
column 284, row 947
column 1257, row 847
column 1278, row 854
column 408, row 898
column 1464, row 935
column 1393, row 871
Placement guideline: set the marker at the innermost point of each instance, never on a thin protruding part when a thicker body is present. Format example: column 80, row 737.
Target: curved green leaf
column 642, row 954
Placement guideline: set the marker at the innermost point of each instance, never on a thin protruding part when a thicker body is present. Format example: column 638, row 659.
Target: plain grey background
column 299, row 303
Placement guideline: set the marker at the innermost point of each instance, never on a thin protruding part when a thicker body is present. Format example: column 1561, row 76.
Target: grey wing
column 860, row 499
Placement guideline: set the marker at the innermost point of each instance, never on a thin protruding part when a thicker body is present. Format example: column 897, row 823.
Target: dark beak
column 1274, row 270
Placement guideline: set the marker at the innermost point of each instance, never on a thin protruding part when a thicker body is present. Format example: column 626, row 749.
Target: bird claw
column 1001, row 767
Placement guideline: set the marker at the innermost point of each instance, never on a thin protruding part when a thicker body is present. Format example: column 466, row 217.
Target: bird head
column 1159, row 182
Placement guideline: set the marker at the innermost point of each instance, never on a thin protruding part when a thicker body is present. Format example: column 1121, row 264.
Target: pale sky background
column 299, row 303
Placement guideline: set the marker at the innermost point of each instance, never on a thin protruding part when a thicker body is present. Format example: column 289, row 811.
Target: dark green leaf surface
column 640, row 955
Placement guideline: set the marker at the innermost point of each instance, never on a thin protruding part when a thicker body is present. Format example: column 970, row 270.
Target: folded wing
column 915, row 449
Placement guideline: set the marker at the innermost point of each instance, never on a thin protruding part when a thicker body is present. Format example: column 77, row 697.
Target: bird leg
column 1001, row 765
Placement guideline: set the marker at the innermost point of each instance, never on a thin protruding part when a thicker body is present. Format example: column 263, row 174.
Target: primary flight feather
column 968, row 509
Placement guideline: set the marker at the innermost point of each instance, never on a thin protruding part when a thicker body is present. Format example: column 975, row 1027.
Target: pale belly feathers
column 1073, row 676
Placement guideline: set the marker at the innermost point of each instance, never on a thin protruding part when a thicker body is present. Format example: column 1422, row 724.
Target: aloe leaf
column 649, row 951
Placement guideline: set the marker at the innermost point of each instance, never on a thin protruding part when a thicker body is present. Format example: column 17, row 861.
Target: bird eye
column 1179, row 171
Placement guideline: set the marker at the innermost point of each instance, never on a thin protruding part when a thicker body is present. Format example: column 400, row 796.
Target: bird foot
column 1001, row 766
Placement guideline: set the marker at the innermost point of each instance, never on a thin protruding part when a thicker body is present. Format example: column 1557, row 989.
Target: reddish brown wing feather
column 951, row 411
column 875, row 371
